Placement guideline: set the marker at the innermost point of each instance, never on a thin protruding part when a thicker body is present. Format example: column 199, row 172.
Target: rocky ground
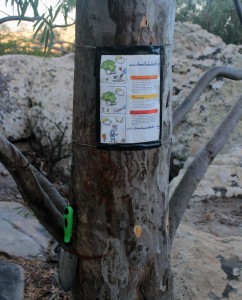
column 206, row 256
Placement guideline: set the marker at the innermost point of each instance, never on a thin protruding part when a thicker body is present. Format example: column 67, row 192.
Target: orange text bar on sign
column 144, row 112
column 147, row 77
column 151, row 96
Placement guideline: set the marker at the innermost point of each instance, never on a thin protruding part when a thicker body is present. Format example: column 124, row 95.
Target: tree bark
column 238, row 7
column 41, row 196
column 121, row 198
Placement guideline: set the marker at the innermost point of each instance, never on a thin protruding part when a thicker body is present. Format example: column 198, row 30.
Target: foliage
column 44, row 23
column 12, row 44
column 216, row 16
column 23, row 43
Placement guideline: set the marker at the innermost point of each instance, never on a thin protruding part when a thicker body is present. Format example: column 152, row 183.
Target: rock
column 7, row 184
column 205, row 266
column 52, row 99
column 27, row 83
column 204, row 64
column 190, row 39
column 222, row 179
column 11, row 281
column 23, row 235
column 196, row 50
column 64, row 167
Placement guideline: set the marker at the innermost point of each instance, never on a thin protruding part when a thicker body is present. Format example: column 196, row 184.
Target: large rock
column 206, row 266
column 29, row 84
column 222, row 179
column 21, row 233
column 195, row 51
column 11, row 281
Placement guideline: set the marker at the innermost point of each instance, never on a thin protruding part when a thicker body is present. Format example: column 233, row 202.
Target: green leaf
column 47, row 39
column 57, row 12
column 23, row 8
column 43, row 34
column 34, row 4
column 39, row 27
column 51, row 42
column 65, row 12
column 51, row 12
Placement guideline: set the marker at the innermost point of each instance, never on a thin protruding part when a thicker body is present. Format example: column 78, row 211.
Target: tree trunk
column 121, row 198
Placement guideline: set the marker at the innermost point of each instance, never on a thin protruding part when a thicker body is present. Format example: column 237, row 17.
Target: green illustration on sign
column 109, row 97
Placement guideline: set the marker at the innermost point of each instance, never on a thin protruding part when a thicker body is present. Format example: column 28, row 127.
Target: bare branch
column 3, row 12
column 63, row 26
column 19, row 18
column 33, row 19
column 238, row 7
column 46, row 203
column 203, row 83
column 51, row 191
column 195, row 172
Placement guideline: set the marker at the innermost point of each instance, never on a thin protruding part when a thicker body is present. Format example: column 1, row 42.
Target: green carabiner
column 68, row 224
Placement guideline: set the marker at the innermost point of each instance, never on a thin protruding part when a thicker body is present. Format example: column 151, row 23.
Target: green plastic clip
column 68, row 224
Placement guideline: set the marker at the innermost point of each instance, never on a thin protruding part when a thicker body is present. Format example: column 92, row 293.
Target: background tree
column 45, row 22
column 125, row 222
column 216, row 16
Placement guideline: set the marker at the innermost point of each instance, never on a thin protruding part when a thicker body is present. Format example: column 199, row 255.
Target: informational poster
column 129, row 94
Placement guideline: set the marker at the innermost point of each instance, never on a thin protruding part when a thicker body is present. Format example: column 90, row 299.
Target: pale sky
column 42, row 8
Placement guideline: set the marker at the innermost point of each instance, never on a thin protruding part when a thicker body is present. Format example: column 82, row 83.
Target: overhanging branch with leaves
column 44, row 23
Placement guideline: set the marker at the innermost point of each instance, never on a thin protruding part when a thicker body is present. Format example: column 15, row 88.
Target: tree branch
column 203, row 83
column 33, row 19
column 195, row 172
column 45, row 201
column 19, row 18
column 238, row 7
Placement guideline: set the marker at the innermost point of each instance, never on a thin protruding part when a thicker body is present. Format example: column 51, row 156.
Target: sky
column 42, row 8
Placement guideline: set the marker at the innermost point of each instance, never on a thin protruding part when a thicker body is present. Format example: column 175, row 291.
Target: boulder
column 222, row 179
column 195, row 51
column 206, row 266
column 29, row 84
column 11, row 281
column 22, row 235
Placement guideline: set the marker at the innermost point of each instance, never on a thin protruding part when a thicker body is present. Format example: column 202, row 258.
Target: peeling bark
column 121, row 197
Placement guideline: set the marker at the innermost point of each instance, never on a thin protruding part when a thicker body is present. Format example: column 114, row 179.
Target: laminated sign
column 129, row 92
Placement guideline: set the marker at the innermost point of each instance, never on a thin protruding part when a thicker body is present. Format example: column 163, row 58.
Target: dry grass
column 41, row 278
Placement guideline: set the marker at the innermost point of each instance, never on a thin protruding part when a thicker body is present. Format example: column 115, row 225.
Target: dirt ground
column 220, row 216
